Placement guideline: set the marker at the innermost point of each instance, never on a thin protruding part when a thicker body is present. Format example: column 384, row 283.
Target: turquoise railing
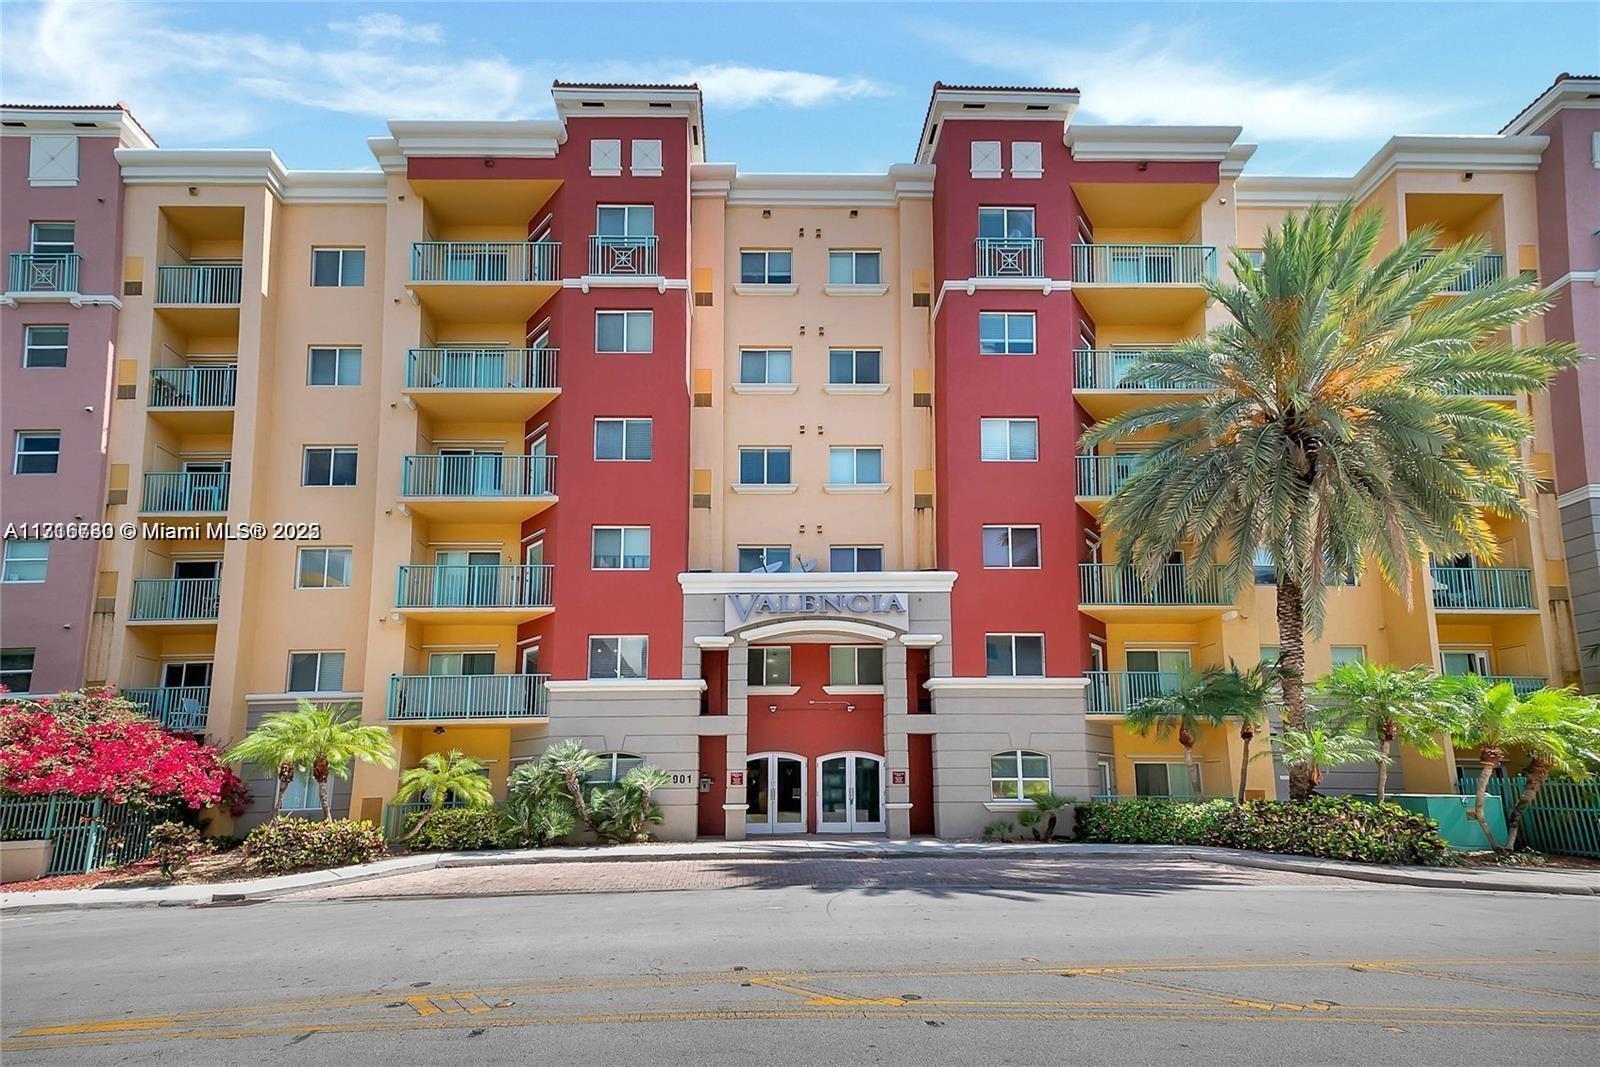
column 474, row 585
column 174, row 599
column 458, row 367
column 1144, row 264
column 1100, row 476
column 87, row 832
column 454, row 697
column 1010, row 257
column 181, row 708
column 178, row 283
column 1174, row 585
column 1489, row 267
column 185, row 491
column 1564, row 817
column 43, row 272
column 1107, row 368
column 193, row 387
column 489, row 475
column 1114, row 692
column 611, row 254
column 1483, row 588
column 485, row 261
column 1521, row 684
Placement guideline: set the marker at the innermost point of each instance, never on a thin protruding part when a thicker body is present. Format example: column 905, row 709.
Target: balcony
column 36, row 273
column 1521, row 684
column 1489, row 268
column 1107, row 590
column 202, row 301
column 430, row 698
column 197, row 399
column 483, row 487
column 486, row 593
column 177, row 708
column 184, row 493
column 1483, row 589
column 1100, row 385
column 1009, row 257
column 1101, row 476
column 1123, row 283
column 612, row 256
column 484, row 281
column 493, row 384
column 1114, row 692
column 175, row 601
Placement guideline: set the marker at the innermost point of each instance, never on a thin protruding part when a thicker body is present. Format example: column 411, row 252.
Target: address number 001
column 683, row 778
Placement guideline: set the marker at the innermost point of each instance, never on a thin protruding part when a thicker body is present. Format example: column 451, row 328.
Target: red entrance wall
column 713, row 760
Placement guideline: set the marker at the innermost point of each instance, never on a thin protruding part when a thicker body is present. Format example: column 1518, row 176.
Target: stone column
column 896, row 749
column 735, row 802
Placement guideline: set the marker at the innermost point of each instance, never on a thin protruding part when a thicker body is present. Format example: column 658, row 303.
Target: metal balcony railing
column 1174, row 585
column 1521, row 684
column 1010, row 257
column 1144, row 264
column 43, row 272
column 185, row 491
column 481, row 368
column 174, row 599
column 486, row 475
column 485, row 261
column 193, row 387
column 1103, row 475
column 1483, row 588
column 1107, row 368
column 1114, row 692
column 184, row 284
column 1489, row 267
column 470, row 585
column 613, row 255
column 181, row 708
column 454, row 697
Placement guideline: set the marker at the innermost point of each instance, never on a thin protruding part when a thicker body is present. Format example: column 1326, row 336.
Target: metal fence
column 395, row 815
column 1563, row 818
column 485, row 261
column 185, row 284
column 88, row 833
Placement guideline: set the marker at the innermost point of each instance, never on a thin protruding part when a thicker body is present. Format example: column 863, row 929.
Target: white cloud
column 1165, row 77
column 740, row 87
column 379, row 26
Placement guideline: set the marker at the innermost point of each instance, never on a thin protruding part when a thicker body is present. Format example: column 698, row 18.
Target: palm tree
column 1250, row 692
column 320, row 741
column 274, row 745
column 1338, row 422
column 1390, row 704
column 1557, row 729
column 1200, row 699
column 1311, row 751
column 442, row 776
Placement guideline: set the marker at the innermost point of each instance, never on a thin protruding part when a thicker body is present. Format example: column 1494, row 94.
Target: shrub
column 174, row 844
column 1336, row 828
column 1000, row 830
column 450, row 829
column 290, row 844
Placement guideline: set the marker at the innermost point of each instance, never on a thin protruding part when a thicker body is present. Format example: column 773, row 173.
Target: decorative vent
column 700, row 487
column 922, row 489
column 105, row 605
column 1559, row 592
column 126, row 392
column 702, row 501
column 702, row 387
column 921, row 389
column 135, row 288
column 921, row 300
column 115, row 497
column 702, row 300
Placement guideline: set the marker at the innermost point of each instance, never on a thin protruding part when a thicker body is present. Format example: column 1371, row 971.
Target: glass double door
column 775, row 794
column 850, row 793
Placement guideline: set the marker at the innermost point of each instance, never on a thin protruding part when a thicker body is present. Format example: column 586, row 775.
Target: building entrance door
column 850, row 793
column 775, row 790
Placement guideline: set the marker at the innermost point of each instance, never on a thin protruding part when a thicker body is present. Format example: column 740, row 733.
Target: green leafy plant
column 438, row 778
column 1392, row 704
column 538, row 809
column 1311, row 751
column 1337, row 422
column 174, row 845
column 1200, row 699
column 457, row 829
column 552, row 798
column 999, row 831
column 1050, row 807
column 289, row 844
column 315, row 739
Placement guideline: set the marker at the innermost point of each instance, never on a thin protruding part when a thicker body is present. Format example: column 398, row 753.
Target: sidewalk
column 1499, row 880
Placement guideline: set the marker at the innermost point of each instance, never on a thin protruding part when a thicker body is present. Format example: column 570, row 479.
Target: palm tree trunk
column 1244, row 761
column 1194, row 769
column 1383, row 769
column 1537, row 773
column 285, row 779
column 1292, row 664
column 1491, row 759
column 322, row 794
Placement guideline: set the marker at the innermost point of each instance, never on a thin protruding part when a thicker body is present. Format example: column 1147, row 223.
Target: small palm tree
column 1249, row 694
column 1338, row 422
column 1050, row 807
column 320, row 741
column 1313, row 750
column 573, row 763
column 275, row 745
column 1391, row 704
column 440, row 777
column 1200, row 699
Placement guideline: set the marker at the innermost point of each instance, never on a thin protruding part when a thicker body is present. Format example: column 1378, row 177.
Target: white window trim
column 17, row 453
column 622, row 544
column 350, row 571
column 320, row 653
column 765, row 289
column 6, row 560
column 847, row 688
column 764, row 388
column 841, row 389
column 331, row 484
column 1038, row 542
column 626, row 312
column 64, row 349
column 341, row 249
column 1021, row 779
column 1008, row 317
column 338, row 357
column 1008, row 420
column 788, row 486
column 624, row 419
column 1043, row 662
column 619, row 638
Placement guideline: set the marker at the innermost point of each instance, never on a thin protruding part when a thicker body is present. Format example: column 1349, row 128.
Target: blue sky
column 799, row 87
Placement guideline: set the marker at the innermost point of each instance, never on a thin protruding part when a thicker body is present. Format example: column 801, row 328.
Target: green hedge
column 291, row 844
column 453, row 829
column 1335, row 828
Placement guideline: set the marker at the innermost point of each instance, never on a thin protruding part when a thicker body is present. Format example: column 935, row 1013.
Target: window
column 338, row 266
column 614, row 767
column 623, row 439
column 334, row 366
column 855, row 665
column 769, row 666
column 303, row 794
column 1019, row 775
column 618, row 657
column 1009, row 440
column 621, row 548
column 460, row 664
column 855, row 466
column 764, row 466
column 16, row 669
column 326, row 465
column 772, row 559
column 316, row 672
column 1267, row 654
column 625, row 220
column 38, row 452
column 624, row 331
column 25, row 561
column 52, row 239
column 855, row 268
column 766, row 267
column 999, row 223
column 1343, row 654
column 1265, row 572
column 855, row 366
column 44, row 346
column 323, row 568
column 766, row 366
column 1014, row 655
column 1006, row 333
column 855, row 558
column 1011, row 546
column 1161, row 780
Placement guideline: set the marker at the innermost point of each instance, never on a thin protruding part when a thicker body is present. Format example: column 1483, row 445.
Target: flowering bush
column 290, row 844
column 94, row 744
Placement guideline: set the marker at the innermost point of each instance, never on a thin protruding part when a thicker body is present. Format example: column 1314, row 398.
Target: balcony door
column 1457, row 661
column 470, row 471
column 466, row 577
column 205, row 484
column 1154, row 671
column 478, row 365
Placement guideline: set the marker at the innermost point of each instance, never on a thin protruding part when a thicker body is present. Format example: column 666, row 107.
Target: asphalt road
column 1112, row 962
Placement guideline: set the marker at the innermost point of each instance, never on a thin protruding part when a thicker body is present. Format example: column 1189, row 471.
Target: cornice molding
column 699, row 582
column 1209, row 144
column 249, row 166
column 107, row 122
column 1565, row 94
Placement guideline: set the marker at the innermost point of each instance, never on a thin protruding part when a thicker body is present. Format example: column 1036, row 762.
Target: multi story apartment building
column 62, row 232
column 552, row 430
